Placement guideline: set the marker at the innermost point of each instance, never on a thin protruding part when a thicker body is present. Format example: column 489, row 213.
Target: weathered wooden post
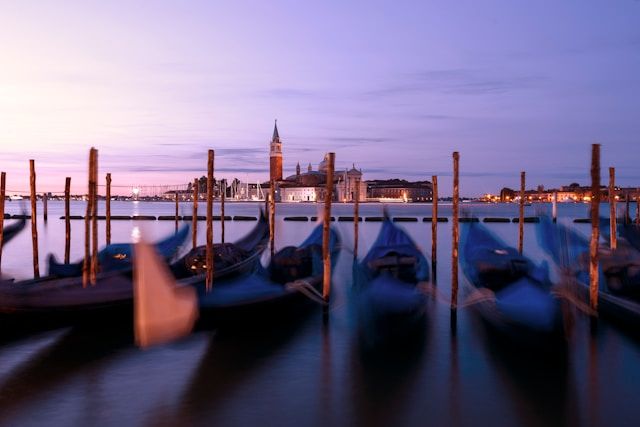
column 67, row 219
column 521, row 213
column 210, row 260
column 434, row 227
column 177, row 210
column 356, row 220
column 34, row 215
column 45, row 210
column 595, row 226
column 326, row 253
column 107, row 207
column 554, row 207
column 272, row 217
column 222, row 197
column 613, row 220
column 94, row 219
column 455, row 241
column 87, row 262
column 3, row 189
column 627, row 215
column 194, row 218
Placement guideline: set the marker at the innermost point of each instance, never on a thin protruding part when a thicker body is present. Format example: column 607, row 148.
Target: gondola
column 51, row 302
column 267, row 292
column 512, row 294
column 117, row 256
column 12, row 230
column 631, row 233
column 229, row 258
column 390, row 308
column 619, row 284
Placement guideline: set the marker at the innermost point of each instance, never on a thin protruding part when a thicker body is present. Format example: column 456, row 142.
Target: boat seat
column 400, row 267
column 291, row 263
column 224, row 255
column 498, row 268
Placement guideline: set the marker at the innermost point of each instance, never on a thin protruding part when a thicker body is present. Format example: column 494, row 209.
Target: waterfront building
column 400, row 190
column 347, row 184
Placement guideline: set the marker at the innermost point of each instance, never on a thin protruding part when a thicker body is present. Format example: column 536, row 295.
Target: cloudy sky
column 394, row 87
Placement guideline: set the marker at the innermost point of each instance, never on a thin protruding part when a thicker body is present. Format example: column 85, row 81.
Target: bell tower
column 275, row 155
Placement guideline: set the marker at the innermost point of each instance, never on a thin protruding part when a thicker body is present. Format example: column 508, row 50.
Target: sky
column 392, row 86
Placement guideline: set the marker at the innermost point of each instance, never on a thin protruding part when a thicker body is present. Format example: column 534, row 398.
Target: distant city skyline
column 392, row 87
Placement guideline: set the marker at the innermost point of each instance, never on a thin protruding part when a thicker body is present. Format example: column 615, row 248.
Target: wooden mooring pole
column 272, row 217
column 326, row 228
column 94, row 219
column 194, row 218
column 223, row 183
column 45, row 210
column 595, row 226
column 107, row 207
column 554, row 207
column 434, row 228
column 67, row 219
column 627, row 215
column 3, row 189
column 455, row 241
column 521, row 214
column 177, row 216
column 637, row 207
column 34, row 216
column 210, row 259
column 356, row 220
column 613, row 220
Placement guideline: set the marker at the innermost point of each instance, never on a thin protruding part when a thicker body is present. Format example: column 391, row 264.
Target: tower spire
column 275, row 155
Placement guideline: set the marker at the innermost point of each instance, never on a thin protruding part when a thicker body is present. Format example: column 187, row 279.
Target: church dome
column 322, row 167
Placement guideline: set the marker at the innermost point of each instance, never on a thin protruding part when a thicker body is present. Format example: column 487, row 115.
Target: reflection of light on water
column 135, row 234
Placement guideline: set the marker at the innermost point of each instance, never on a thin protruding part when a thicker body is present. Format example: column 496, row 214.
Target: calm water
column 305, row 373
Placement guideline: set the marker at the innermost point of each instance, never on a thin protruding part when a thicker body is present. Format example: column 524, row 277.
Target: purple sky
column 393, row 86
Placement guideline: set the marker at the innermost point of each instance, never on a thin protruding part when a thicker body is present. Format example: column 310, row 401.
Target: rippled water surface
column 306, row 372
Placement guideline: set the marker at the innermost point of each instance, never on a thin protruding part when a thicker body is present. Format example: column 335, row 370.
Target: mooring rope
column 307, row 289
column 567, row 292
column 477, row 296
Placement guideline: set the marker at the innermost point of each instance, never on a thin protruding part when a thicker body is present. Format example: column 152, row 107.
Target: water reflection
column 232, row 357
column 384, row 378
column 77, row 350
